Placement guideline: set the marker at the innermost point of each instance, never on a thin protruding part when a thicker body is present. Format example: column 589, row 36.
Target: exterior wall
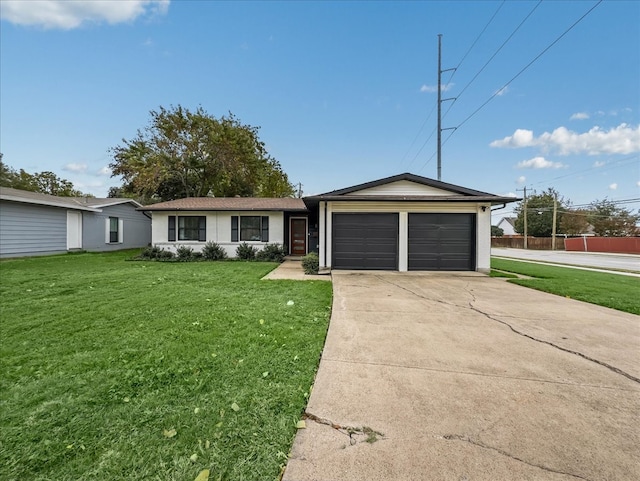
column 483, row 225
column 29, row 230
column 218, row 229
column 136, row 228
column 401, row 187
column 506, row 227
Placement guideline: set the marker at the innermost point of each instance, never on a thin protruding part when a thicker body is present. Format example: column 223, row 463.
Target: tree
column 574, row 222
column 612, row 221
column 193, row 154
column 496, row 231
column 539, row 214
column 42, row 182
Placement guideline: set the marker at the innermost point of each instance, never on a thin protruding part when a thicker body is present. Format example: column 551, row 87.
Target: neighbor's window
column 190, row 228
column 113, row 229
column 250, row 228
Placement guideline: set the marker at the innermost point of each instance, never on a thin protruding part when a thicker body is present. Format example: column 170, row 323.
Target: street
column 598, row 260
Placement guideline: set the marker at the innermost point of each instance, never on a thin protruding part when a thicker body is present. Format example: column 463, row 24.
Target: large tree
column 43, row 182
column 610, row 220
column 193, row 154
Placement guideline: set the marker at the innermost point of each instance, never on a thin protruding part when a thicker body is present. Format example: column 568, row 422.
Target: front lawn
column 610, row 290
column 116, row 370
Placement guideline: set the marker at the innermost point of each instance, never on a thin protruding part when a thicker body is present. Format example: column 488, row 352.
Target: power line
column 497, row 92
column 495, row 53
column 446, row 84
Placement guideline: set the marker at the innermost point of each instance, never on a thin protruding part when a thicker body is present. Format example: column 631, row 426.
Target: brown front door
column 298, row 237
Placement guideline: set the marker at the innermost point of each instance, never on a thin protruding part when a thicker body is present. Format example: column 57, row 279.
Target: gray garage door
column 365, row 241
column 442, row 242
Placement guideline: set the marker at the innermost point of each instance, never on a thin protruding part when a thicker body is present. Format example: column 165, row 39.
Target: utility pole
column 525, row 214
column 553, row 225
column 440, row 129
column 299, row 190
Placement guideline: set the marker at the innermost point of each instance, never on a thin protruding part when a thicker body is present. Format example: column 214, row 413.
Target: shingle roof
column 229, row 203
column 459, row 194
column 92, row 204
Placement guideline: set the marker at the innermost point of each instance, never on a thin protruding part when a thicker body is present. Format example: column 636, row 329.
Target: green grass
column 102, row 360
column 610, row 290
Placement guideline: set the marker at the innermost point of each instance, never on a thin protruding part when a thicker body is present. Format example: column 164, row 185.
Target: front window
column 189, row 228
column 250, row 229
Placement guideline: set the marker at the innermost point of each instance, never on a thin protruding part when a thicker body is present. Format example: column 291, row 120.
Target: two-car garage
column 405, row 223
column 435, row 241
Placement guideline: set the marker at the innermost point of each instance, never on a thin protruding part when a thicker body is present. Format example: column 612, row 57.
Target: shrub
column 271, row 252
column 311, row 263
column 184, row 253
column 246, row 252
column 153, row 253
column 213, row 252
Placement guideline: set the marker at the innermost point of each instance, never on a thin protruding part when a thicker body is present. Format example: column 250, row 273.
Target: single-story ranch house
column 40, row 224
column 404, row 222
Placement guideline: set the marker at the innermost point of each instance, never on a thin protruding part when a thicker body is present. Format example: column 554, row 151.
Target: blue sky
column 344, row 92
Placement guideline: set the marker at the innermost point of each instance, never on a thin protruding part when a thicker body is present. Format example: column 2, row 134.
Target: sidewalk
column 292, row 269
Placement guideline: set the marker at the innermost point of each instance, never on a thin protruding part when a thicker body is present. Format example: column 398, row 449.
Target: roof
column 459, row 194
column 91, row 204
column 229, row 204
column 509, row 220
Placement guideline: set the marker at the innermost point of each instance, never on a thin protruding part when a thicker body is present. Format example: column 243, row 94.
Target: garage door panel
column 365, row 241
column 441, row 242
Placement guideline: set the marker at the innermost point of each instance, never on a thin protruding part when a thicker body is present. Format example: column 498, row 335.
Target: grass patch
column 609, row 290
column 140, row 370
column 495, row 273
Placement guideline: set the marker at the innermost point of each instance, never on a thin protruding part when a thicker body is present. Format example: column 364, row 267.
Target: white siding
column 402, row 187
column 218, row 229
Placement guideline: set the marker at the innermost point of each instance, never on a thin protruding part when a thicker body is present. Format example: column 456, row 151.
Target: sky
column 544, row 93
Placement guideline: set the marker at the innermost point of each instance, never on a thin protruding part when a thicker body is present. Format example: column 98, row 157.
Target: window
column 190, row 228
column 113, row 231
column 250, row 228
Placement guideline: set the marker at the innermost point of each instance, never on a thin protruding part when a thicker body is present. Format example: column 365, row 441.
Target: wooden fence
column 534, row 243
column 625, row 245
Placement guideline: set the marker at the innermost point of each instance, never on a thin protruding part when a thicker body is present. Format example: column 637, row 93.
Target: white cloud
column 580, row 116
column 67, row 15
column 434, row 88
column 613, row 186
column 539, row 163
column 105, row 171
column 502, row 91
column 73, row 167
column 623, row 139
column 521, row 180
column 599, row 163
column 638, row 184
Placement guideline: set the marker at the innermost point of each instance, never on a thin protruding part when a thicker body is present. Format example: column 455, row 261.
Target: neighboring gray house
column 40, row 224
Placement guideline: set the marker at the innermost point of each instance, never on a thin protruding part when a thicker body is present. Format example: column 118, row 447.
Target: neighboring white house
column 507, row 224
column 404, row 222
column 39, row 224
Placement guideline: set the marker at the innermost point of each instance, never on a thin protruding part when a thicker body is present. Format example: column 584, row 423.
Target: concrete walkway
column 464, row 377
column 292, row 269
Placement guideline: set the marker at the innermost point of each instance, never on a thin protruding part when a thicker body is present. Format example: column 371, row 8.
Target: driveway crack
column 513, row 329
column 549, row 343
column 370, row 435
column 458, row 437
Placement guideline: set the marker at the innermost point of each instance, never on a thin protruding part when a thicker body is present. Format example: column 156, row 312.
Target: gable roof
column 447, row 192
column 90, row 204
column 229, row 204
column 509, row 220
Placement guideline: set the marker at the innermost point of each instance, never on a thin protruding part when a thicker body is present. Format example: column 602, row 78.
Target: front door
column 74, row 229
column 298, row 237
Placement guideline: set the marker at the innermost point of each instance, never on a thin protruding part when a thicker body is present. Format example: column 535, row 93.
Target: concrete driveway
column 431, row 376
